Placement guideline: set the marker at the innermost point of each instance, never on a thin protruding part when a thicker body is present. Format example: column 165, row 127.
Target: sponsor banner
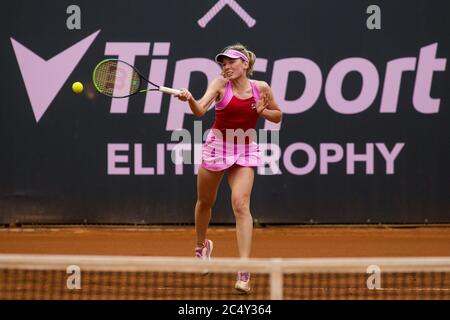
column 363, row 89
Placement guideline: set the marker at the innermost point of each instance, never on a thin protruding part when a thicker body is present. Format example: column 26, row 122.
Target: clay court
column 268, row 242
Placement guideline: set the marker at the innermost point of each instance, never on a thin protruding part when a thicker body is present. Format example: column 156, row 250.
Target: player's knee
column 204, row 203
column 241, row 206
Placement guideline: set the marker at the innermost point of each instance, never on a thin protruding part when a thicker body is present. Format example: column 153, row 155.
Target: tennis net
column 71, row 277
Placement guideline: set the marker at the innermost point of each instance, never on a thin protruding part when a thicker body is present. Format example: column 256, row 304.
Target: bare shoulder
column 217, row 86
column 219, row 83
column 262, row 86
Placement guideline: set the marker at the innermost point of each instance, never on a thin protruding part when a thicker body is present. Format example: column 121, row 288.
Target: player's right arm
column 200, row 107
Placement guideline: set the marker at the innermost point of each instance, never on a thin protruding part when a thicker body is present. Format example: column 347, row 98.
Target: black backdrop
column 54, row 166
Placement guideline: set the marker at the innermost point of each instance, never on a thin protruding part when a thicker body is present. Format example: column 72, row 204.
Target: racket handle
column 169, row 90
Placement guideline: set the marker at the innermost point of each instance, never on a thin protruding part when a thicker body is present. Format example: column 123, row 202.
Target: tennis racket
column 118, row 79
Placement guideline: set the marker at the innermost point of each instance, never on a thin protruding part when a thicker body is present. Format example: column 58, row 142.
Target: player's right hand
column 184, row 95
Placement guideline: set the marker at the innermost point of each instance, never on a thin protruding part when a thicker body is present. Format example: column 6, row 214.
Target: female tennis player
column 239, row 102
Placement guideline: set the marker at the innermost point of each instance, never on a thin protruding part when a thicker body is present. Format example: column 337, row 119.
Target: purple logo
column 202, row 22
column 44, row 78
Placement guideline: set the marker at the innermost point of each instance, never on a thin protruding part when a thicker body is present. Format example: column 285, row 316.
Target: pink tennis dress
column 232, row 139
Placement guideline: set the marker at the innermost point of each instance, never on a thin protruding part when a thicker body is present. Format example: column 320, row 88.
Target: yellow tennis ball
column 77, row 87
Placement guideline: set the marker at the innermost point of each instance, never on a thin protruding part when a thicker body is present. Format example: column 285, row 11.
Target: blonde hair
column 250, row 55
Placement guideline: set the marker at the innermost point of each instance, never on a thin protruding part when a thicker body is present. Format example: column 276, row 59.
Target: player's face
column 233, row 68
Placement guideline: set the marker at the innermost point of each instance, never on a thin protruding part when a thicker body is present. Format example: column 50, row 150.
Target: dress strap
column 227, row 96
column 255, row 90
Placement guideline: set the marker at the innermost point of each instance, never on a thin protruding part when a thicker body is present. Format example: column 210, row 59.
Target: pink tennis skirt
column 218, row 155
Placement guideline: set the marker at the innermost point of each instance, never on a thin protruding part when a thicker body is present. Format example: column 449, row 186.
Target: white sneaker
column 243, row 282
column 204, row 253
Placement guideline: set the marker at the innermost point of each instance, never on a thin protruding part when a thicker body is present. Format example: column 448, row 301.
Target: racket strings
column 135, row 83
column 109, row 76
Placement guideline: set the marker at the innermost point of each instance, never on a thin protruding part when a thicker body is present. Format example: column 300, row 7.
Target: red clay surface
column 270, row 242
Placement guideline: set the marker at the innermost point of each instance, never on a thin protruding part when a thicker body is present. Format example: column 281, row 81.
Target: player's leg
column 207, row 184
column 240, row 180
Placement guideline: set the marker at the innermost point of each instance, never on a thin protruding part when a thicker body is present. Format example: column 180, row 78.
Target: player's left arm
column 267, row 107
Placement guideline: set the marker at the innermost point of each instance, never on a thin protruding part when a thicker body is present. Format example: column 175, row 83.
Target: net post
column 276, row 280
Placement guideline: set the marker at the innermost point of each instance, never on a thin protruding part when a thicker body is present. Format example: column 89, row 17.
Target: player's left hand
column 262, row 103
